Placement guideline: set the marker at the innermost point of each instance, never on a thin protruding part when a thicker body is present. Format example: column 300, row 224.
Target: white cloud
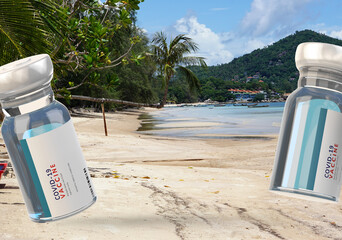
column 332, row 31
column 336, row 34
column 226, row 36
column 253, row 44
column 270, row 16
column 210, row 44
column 266, row 22
column 218, row 48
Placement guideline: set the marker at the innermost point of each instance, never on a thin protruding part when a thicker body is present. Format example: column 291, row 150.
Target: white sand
column 160, row 188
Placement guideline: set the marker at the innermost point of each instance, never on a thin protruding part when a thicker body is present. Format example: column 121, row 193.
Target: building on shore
column 243, row 95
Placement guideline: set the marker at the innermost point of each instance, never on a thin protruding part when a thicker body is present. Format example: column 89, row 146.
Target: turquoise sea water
column 214, row 122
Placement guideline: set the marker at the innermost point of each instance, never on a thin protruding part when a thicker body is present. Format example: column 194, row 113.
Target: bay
column 227, row 121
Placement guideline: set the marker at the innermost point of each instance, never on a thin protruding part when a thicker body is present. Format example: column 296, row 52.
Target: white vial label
column 316, row 143
column 58, row 169
column 328, row 176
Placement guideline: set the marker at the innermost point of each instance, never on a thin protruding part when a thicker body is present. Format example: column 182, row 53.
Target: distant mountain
column 273, row 64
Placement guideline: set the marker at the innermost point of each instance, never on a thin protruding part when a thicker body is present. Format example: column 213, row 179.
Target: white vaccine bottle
column 308, row 159
column 42, row 143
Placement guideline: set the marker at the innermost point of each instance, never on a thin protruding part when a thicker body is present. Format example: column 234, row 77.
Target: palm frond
column 159, row 39
column 190, row 77
column 158, row 54
column 181, row 46
column 22, row 31
column 176, row 56
column 193, row 61
column 51, row 14
column 175, row 41
column 185, row 42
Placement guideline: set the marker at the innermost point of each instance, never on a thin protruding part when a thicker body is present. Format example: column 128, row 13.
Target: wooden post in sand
column 116, row 101
column 104, row 119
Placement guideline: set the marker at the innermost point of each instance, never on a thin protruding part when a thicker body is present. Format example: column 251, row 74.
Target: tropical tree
column 175, row 57
column 86, row 57
column 78, row 34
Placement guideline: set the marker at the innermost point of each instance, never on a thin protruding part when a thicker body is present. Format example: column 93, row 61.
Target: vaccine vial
column 42, row 143
column 308, row 158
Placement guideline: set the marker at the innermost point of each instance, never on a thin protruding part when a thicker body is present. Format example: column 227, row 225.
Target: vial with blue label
column 42, row 142
column 308, row 158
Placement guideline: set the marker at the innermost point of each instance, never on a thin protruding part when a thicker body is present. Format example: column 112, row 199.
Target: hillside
column 274, row 65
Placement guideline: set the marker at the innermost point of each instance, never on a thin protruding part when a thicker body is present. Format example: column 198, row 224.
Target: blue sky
column 225, row 29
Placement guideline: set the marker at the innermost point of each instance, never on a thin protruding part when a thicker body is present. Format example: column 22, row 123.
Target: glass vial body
column 41, row 116
column 310, row 144
column 42, row 142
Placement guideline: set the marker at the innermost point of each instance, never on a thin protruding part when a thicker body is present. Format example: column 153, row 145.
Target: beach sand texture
column 152, row 187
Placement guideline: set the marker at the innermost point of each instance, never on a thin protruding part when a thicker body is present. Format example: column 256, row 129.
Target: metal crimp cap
column 314, row 54
column 25, row 75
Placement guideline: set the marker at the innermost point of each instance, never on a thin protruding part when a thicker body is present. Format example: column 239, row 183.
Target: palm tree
column 174, row 57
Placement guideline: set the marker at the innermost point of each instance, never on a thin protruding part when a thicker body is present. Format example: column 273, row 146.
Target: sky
column 225, row 29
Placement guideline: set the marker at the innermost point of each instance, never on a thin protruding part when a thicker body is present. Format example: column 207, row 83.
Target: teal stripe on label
column 317, row 148
column 35, row 178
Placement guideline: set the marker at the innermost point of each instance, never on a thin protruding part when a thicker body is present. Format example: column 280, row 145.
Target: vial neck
column 320, row 77
column 27, row 103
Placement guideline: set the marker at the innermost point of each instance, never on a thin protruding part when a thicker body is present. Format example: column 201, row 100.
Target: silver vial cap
column 314, row 54
column 25, row 75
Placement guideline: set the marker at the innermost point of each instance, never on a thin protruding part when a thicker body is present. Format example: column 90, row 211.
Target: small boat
column 239, row 104
column 244, row 104
column 258, row 106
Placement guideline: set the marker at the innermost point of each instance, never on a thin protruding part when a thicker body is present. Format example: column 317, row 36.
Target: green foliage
column 87, row 41
column 135, row 79
column 98, row 51
column 275, row 63
column 216, row 89
column 173, row 57
column 85, row 47
column 259, row 97
column 100, row 39
column 179, row 91
column 22, row 29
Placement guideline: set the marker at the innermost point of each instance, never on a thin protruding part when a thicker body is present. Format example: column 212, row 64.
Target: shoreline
column 215, row 102
column 165, row 150
column 178, row 188
column 222, row 123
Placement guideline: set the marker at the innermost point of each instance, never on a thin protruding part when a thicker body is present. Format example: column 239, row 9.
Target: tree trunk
column 162, row 104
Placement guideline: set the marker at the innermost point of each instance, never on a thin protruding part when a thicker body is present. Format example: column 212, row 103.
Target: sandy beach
column 152, row 187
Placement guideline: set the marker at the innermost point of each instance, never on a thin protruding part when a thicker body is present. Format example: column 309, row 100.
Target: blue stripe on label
column 35, row 178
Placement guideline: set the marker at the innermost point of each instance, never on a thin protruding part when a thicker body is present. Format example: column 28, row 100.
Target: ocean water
column 214, row 122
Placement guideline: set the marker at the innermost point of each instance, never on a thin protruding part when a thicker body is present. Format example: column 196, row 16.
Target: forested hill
column 273, row 64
